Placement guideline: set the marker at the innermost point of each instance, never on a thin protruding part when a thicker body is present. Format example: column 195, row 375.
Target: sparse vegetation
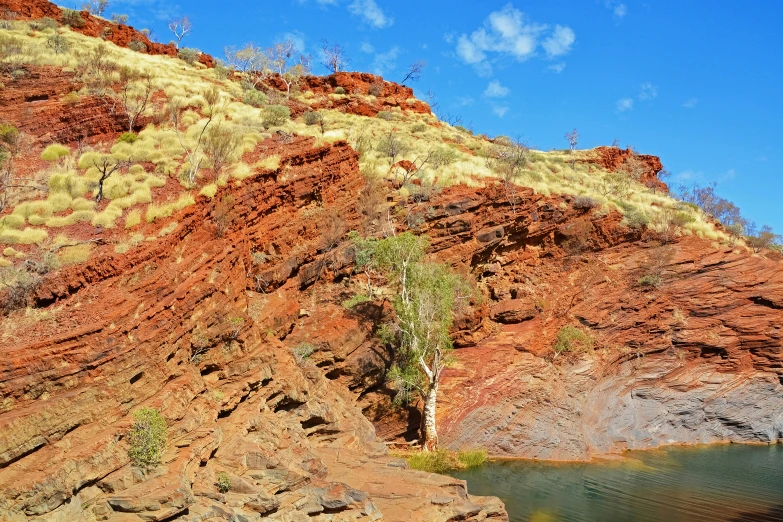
column 275, row 115
column 72, row 18
column 223, row 482
column 302, row 352
column 147, row 438
column 571, row 339
column 188, row 55
column 442, row 461
column 54, row 152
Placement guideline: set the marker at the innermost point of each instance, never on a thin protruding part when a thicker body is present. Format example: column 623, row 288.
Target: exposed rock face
column 611, row 158
column 177, row 326
column 697, row 360
column 35, row 103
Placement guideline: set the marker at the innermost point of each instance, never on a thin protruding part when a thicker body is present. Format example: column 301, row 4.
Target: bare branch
column 414, row 72
column 181, row 27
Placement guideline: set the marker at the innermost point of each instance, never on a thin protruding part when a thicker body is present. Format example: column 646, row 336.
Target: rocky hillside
column 610, row 317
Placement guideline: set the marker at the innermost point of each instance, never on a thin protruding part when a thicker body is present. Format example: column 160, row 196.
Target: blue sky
column 696, row 83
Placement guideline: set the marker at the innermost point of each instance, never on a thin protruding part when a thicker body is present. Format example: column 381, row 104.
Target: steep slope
column 209, row 307
column 172, row 326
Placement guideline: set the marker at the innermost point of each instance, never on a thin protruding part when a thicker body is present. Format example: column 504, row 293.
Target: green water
column 716, row 483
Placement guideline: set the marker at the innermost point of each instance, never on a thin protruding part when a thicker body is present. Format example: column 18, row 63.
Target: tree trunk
column 428, row 418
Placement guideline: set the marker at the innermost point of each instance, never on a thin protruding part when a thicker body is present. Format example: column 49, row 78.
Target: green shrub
column 119, row 19
column 313, row 118
column 302, row 352
column 254, row 98
column 651, row 281
column 419, row 127
column 355, row 300
column 72, row 18
column 275, row 115
column 385, row 115
column 223, row 482
column 472, row 458
column 340, row 90
column 54, row 152
column 147, row 438
column 138, row 46
column 188, row 55
column 221, row 71
column 571, row 339
column 44, row 23
column 636, row 219
column 128, row 137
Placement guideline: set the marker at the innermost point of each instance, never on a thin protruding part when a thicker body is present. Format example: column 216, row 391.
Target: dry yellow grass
column 72, row 181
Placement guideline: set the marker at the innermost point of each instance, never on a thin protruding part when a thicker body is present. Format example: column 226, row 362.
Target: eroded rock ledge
column 158, row 327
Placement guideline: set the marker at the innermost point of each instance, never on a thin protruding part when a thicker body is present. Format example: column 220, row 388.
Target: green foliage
column 58, row 43
column 442, row 461
column 9, row 135
column 636, row 218
column 472, row 458
column 340, row 90
column 44, row 23
column 54, row 152
column 147, row 438
column 223, row 482
column 119, row 19
column 313, row 118
column 138, row 46
column 254, row 98
column 188, row 55
column 275, row 115
column 72, row 18
column 385, row 115
column 571, row 339
column 221, row 71
column 426, row 294
column 651, row 281
column 128, row 137
column 355, row 300
column 302, row 352
column 419, row 127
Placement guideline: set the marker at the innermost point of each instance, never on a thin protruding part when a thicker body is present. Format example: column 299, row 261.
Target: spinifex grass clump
column 147, row 438
column 443, row 461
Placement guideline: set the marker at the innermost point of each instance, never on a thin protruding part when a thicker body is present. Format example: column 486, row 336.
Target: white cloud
column 464, row 101
column 689, row 176
column 557, row 67
column 500, row 111
column 560, row 42
column 296, row 38
column 367, row 48
column 508, row 32
column 624, row 104
column 371, row 13
column 690, row 103
column 496, row 90
column 648, row 91
column 385, row 62
column 728, row 175
column 619, row 9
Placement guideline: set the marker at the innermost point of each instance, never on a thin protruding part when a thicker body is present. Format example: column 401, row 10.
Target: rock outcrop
column 178, row 326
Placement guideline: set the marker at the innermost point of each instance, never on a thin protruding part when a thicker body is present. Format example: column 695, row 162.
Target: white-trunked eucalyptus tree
column 423, row 302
